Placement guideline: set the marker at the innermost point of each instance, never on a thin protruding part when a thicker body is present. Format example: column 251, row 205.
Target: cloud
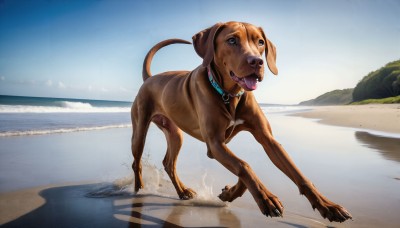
column 2, row 78
column 123, row 89
column 61, row 85
column 49, row 83
column 104, row 90
column 24, row 82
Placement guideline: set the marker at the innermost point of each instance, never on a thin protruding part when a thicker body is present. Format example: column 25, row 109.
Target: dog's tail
column 147, row 60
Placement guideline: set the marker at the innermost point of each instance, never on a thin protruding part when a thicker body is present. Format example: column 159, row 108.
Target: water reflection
column 388, row 147
column 70, row 206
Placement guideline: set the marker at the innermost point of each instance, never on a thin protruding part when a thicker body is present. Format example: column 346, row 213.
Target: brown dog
column 213, row 103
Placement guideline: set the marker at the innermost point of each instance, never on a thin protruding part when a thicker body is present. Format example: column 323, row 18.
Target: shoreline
column 375, row 117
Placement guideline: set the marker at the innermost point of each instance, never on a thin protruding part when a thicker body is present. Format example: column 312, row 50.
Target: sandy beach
column 378, row 117
column 47, row 181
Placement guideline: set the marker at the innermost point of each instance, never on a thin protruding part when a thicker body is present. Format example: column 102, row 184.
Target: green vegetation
column 387, row 100
column 335, row 97
column 381, row 83
column 381, row 87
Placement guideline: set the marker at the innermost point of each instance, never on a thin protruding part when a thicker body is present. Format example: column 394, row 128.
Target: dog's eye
column 232, row 41
column 261, row 43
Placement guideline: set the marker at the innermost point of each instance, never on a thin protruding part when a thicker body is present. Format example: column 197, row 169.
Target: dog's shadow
column 80, row 206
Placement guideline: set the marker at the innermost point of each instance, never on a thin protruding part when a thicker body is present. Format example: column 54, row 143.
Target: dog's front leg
column 268, row 203
column 282, row 160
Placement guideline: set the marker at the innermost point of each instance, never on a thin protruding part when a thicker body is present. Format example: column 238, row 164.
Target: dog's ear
column 270, row 54
column 203, row 43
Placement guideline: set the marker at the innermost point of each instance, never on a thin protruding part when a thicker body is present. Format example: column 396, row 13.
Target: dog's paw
column 226, row 194
column 138, row 186
column 271, row 206
column 187, row 194
column 331, row 211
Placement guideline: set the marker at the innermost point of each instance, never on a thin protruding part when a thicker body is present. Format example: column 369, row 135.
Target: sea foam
column 61, row 107
column 59, row 131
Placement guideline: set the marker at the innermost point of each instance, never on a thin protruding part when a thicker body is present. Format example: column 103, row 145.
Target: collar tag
column 225, row 96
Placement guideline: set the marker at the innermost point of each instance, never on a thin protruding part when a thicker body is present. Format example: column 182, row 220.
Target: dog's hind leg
column 174, row 141
column 140, row 125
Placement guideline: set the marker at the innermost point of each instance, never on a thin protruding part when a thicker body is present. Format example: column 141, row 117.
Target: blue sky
column 95, row 49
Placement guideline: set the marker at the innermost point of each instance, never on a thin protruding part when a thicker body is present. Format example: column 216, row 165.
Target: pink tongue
column 251, row 82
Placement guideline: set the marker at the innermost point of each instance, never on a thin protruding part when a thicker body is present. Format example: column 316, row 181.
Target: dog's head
column 236, row 49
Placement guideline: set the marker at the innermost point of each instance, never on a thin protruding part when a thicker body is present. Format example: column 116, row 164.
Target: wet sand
column 356, row 169
column 70, row 206
column 379, row 117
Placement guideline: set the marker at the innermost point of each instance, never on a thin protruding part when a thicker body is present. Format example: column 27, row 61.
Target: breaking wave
column 59, row 131
column 62, row 106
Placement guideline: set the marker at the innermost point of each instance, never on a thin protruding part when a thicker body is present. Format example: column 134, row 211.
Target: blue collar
column 225, row 96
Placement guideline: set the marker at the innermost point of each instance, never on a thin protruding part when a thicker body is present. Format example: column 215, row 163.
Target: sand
column 378, row 117
column 69, row 206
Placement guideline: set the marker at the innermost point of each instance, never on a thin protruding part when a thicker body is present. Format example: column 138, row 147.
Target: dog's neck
column 226, row 83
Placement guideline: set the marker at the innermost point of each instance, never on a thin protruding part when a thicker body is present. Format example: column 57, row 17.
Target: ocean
column 22, row 116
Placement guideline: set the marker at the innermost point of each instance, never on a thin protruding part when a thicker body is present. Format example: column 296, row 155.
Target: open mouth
column 248, row 83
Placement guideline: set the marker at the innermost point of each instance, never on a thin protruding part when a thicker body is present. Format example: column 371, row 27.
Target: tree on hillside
column 396, row 84
column 381, row 83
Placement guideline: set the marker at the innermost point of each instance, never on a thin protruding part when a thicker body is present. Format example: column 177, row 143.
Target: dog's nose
column 255, row 61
